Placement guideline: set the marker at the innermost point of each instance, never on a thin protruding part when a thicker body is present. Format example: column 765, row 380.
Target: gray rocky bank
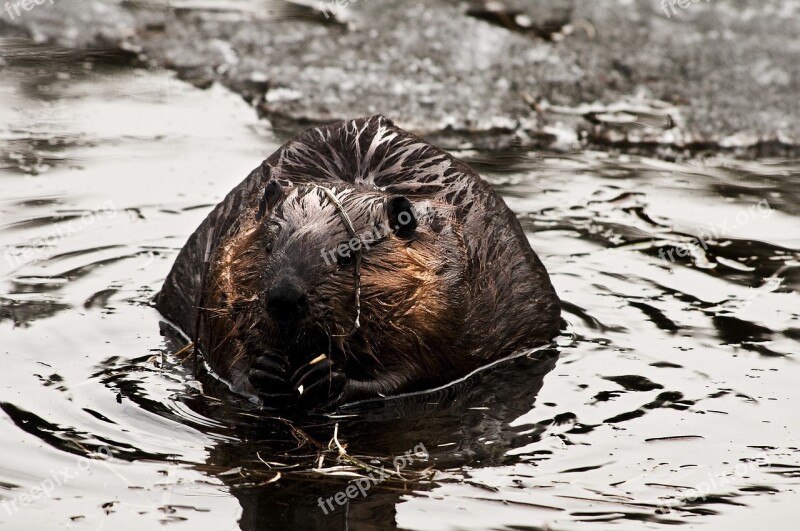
column 559, row 74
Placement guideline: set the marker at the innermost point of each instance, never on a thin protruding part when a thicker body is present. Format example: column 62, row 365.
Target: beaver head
column 365, row 281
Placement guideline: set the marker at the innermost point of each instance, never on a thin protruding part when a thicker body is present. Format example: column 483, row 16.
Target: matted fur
column 465, row 290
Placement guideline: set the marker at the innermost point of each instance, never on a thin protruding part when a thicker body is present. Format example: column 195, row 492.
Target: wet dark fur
column 460, row 291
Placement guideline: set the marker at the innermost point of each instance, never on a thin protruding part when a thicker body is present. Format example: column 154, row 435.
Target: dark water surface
column 670, row 398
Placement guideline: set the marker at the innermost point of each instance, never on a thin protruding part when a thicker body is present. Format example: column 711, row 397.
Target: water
column 668, row 399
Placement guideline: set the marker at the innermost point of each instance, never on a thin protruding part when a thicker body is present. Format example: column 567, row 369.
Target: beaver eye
column 269, row 248
column 345, row 258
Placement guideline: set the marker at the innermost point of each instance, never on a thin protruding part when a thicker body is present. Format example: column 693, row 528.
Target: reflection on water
column 667, row 400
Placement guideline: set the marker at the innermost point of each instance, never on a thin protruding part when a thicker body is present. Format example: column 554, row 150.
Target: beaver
column 358, row 261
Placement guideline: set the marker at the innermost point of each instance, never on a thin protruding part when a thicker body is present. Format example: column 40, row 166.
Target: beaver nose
column 286, row 301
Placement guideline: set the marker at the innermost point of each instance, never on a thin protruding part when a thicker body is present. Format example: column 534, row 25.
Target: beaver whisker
column 327, row 331
column 230, row 335
column 218, row 312
column 240, row 351
column 363, row 355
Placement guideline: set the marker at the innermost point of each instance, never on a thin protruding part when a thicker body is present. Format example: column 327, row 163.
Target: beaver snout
column 287, row 301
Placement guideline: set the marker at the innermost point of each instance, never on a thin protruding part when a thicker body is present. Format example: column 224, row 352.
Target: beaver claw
column 314, row 386
column 320, row 385
column 268, row 376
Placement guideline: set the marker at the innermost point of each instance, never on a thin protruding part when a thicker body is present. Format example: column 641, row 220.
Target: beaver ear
column 402, row 218
column 272, row 193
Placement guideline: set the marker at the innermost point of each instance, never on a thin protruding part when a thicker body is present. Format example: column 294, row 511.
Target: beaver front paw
column 268, row 375
column 320, row 385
